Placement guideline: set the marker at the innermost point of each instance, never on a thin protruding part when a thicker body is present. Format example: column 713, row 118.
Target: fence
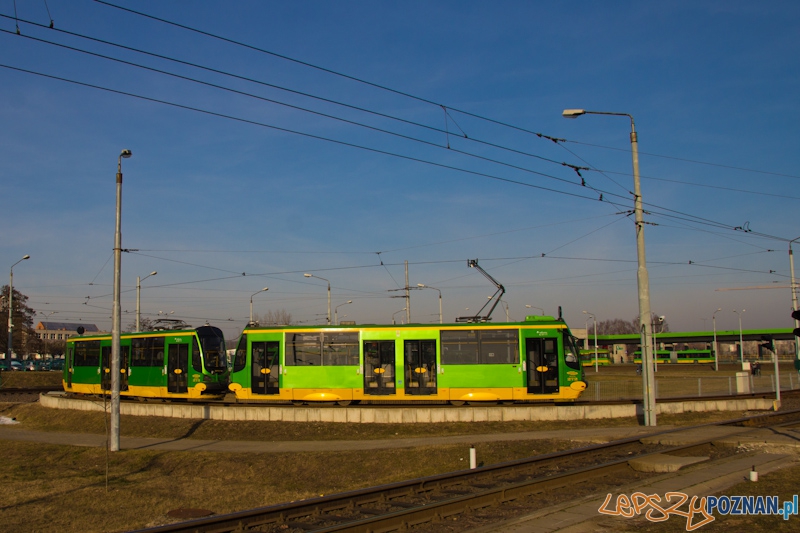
column 690, row 387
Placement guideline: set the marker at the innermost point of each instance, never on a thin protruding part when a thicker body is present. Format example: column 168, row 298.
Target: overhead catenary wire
column 602, row 193
column 403, row 93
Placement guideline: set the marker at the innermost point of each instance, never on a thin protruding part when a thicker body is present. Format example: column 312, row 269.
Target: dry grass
column 29, row 379
column 60, row 488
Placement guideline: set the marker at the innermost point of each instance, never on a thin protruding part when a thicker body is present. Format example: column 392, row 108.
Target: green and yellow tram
column 475, row 362
column 170, row 363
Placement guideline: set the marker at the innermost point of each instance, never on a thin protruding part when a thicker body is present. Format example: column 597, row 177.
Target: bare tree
column 281, row 317
column 145, row 324
column 618, row 326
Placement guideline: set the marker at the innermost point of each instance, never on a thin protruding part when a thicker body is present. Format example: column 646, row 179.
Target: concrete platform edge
column 407, row 415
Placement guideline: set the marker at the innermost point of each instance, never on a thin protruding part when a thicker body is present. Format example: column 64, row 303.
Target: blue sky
column 273, row 192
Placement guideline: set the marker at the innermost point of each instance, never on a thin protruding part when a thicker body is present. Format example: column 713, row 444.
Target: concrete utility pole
column 643, row 280
column 116, row 315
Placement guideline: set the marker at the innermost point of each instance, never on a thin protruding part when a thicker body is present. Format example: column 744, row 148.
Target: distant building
column 61, row 331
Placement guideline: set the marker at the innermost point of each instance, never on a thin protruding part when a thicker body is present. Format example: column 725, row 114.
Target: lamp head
column 26, row 257
column 126, row 153
column 153, row 273
column 573, row 113
column 307, row 275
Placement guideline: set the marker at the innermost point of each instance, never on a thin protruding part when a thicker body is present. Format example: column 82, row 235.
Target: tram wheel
column 297, row 402
column 457, row 403
column 344, row 403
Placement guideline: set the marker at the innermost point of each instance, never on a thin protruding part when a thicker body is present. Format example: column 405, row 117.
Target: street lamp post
column 741, row 343
column 9, row 351
column 423, row 286
column 648, row 376
column 534, row 307
column 336, row 312
column 396, row 313
column 329, row 293
column 715, row 347
column 139, row 298
column 594, row 319
column 116, row 315
column 655, row 343
column 794, row 297
column 251, row 301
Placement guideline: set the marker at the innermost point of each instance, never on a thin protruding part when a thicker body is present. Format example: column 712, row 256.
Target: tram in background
column 588, row 357
column 536, row 359
column 681, row 356
column 174, row 362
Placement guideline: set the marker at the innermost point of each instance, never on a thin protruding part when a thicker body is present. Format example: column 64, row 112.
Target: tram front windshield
column 571, row 353
column 213, row 344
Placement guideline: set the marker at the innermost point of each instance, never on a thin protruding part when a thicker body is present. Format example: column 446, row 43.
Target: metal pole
column 408, row 299
column 138, row 302
column 715, row 347
column 329, row 303
column 440, row 306
column 741, row 342
column 139, row 298
column 251, row 302
column 794, row 298
column 116, row 314
column 9, row 350
column 329, row 293
column 595, row 344
column 336, row 312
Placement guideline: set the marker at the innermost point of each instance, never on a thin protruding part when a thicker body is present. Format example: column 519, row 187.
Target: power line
column 406, row 94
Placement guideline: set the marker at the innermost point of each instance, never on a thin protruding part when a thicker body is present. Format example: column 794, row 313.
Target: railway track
column 426, row 504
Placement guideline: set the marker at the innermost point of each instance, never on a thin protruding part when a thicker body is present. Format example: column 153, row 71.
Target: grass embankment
column 22, row 380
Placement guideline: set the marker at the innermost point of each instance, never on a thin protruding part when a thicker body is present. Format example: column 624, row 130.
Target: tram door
column 542, row 365
column 379, row 368
column 265, row 368
column 178, row 368
column 105, row 367
column 420, row 367
column 69, row 363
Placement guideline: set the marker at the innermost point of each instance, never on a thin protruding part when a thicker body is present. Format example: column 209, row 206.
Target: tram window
column 459, row 347
column 499, row 346
column 216, row 359
column 480, row 347
column 87, row 353
column 571, row 353
column 240, row 358
column 340, row 349
column 304, row 349
column 147, row 351
column 197, row 363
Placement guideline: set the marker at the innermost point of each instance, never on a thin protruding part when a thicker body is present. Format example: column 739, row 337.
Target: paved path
column 589, row 435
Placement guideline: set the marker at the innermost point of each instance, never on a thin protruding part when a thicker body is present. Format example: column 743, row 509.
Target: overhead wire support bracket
column 473, row 263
